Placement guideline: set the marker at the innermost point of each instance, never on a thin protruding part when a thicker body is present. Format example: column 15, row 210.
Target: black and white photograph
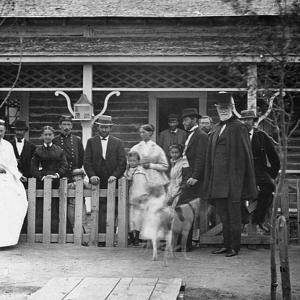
column 149, row 149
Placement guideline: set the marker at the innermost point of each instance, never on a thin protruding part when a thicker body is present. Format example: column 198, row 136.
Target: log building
column 162, row 55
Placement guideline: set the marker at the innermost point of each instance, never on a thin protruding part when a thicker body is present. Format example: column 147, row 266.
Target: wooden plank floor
column 90, row 288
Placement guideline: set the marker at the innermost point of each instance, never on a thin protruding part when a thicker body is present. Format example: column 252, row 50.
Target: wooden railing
column 62, row 194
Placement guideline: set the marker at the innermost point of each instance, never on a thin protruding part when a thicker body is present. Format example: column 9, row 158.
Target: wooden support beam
column 252, row 87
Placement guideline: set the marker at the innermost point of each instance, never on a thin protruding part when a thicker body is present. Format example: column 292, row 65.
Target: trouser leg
column 234, row 211
column 222, row 211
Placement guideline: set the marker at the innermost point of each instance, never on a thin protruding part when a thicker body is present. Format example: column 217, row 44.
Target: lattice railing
column 42, row 76
column 146, row 76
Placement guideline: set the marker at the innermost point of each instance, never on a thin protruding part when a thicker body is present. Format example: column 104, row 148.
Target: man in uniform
column 23, row 150
column 71, row 145
column 104, row 161
column 229, row 173
column 266, row 167
column 172, row 135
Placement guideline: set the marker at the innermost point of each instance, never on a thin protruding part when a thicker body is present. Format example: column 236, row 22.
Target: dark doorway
column 168, row 106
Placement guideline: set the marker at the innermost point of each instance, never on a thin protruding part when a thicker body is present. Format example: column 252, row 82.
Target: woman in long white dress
column 13, row 200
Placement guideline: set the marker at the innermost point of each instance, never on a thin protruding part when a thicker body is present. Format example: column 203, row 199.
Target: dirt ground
column 25, row 268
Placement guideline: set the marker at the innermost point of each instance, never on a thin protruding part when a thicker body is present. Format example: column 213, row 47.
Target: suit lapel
column 98, row 145
column 109, row 148
column 14, row 144
column 193, row 138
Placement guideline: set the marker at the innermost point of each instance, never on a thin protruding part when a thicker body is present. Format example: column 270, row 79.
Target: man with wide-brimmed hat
column 194, row 154
column 70, row 143
column 104, row 160
column 229, row 173
column 173, row 135
column 23, row 150
column 266, row 166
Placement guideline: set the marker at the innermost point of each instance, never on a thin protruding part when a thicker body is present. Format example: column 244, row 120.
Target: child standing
column 136, row 175
column 177, row 163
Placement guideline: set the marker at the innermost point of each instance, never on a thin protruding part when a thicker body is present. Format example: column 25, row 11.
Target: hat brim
column 191, row 115
column 105, row 124
column 249, row 117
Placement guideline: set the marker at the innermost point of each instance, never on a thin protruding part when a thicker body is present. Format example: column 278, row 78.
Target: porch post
column 252, row 87
column 87, row 88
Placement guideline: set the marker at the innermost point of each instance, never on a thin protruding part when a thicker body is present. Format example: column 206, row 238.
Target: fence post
column 95, row 215
column 62, row 229
column 298, row 208
column 284, row 258
column 47, row 210
column 122, row 213
column 31, row 210
column 78, row 212
column 110, row 217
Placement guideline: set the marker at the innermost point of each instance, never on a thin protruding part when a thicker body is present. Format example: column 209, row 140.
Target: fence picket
column 62, row 229
column 122, row 213
column 78, row 212
column 47, row 211
column 110, row 217
column 95, row 215
column 31, row 210
column 298, row 209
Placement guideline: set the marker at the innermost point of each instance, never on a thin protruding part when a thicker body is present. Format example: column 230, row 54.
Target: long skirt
column 13, row 207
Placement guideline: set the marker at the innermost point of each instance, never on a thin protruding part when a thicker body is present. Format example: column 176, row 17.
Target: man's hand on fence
column 112, row 179
column 23, row 178
column 51, row 176
column 94, row 180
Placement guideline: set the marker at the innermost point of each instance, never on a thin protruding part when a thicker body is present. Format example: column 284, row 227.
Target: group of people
column 225, row 164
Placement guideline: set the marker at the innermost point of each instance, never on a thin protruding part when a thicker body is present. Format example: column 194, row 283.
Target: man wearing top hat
column 266, row 167
column 172, row 135
column 229, row 173
column 104, row 160
column 23, row 150
column 194, row 154
column 71, row 145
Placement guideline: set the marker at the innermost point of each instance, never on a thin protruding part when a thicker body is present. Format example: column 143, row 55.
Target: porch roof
column 136, row 8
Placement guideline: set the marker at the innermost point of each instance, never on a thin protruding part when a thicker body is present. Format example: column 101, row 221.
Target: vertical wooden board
column 252, row 87
column 298, row 209
column 31, row 210
column 78, row 213
column 93, row 288
column 95, row 215
column 56, row 289
column 110, row 217
column 122, row 213
column 167, row 289
column 133, row 288
column 62, row 228
column 47, row 211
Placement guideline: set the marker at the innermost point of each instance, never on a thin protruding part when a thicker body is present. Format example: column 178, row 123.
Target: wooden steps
column 90, row 288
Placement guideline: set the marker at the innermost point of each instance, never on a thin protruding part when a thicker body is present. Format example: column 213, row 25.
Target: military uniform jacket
column 24, row 159
column 73, row 149
column 49, row 161
column 266, row 159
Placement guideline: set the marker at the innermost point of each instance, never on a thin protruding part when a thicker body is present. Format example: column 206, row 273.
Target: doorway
column 161, row 104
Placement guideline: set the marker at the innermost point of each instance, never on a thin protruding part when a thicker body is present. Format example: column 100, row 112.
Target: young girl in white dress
column 177, row 163
column 138, row 190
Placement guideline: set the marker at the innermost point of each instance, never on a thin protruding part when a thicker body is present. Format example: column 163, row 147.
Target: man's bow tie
column 103, row 139
column 19, row 140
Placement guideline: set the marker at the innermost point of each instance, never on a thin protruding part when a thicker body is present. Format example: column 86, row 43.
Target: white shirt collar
column 47, row 145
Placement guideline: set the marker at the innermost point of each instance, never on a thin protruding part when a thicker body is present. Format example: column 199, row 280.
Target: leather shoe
column 231, row 253
column 220, row 251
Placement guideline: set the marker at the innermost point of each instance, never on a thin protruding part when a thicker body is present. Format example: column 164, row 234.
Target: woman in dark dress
column 48, row 161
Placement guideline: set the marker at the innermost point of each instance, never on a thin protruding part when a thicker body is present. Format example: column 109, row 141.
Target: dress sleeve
column 162, row 164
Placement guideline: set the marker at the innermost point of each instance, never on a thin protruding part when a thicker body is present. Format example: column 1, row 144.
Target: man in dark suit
column 71, row 145
column 229, row 173
column 104, row 160
column 23, row 150
column 266, row 167
column 194, row 154
column 172, row 135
